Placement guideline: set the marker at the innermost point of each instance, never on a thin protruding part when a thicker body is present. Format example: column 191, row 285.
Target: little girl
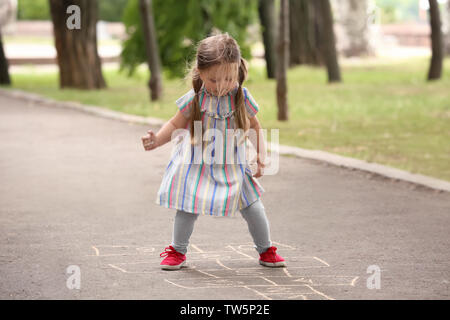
column 217, row 102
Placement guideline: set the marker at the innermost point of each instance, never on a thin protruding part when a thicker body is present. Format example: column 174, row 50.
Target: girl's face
column 219, row 79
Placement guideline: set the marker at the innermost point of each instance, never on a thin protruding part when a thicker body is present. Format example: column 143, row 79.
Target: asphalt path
column 78, row 220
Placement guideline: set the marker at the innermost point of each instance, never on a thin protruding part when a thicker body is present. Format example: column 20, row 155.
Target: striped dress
column 210, row 189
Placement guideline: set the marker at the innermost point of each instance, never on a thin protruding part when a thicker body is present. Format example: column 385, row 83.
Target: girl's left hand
column 149, row 141
column 260, row 169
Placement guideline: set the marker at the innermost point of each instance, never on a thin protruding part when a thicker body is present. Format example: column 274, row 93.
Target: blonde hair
column 221, row 50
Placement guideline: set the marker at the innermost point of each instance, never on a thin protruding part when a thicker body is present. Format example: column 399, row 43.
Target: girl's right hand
column 149, row 141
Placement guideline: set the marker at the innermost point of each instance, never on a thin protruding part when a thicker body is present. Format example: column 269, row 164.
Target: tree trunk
column 151, row 48
column 283, row 59
column 447, row 32
column 353, row 24
column 4, row 73
column 78, row 59
column 328, row 42
column 304, row 33
column 266, row 9
column 437, row 50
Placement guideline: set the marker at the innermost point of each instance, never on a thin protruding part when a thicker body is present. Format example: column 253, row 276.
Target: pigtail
column 241, row 118
column 195, row 111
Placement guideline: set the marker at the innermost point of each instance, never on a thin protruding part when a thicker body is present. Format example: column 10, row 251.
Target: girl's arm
column 152, row 140
column 259, row 144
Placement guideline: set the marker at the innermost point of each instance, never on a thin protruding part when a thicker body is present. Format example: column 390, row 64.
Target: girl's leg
column 258, row 225
column 182, row 230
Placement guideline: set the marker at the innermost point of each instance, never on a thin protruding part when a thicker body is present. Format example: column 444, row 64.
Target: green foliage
column 111, row 10
column 33, row 10
column 180, row 25
column 398, row 10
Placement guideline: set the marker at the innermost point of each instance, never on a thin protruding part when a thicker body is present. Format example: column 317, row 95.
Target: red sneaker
column 270, row 258
column 174, row 260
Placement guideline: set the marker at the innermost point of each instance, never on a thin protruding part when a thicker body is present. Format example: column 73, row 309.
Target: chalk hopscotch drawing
column 233, row 266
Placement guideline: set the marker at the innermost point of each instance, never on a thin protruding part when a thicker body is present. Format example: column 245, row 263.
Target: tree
column 305, row 29
column 4, row 73
column 76, row 43
column 151, row 46
column 266, row 10
column 182, row 24
column 353, row 20
column 447, row 31
column 283, row 60
column 7, row 14
column 328, row 42
column 437, row 48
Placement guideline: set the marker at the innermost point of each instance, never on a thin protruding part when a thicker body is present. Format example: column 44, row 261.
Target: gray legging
column 254, row 214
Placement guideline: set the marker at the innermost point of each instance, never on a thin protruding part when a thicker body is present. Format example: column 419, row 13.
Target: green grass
column 384, row 113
